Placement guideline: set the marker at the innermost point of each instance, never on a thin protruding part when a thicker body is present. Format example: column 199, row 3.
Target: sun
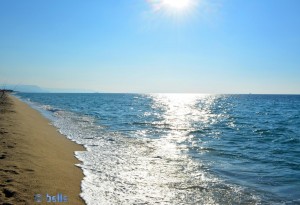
column 177, row 4
column 173, row 6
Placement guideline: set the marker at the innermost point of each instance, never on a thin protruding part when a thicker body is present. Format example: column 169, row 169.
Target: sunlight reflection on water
column 170, row 149
column 151, row 171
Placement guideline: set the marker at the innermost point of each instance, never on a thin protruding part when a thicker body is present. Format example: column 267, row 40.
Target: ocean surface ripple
column 181, row 148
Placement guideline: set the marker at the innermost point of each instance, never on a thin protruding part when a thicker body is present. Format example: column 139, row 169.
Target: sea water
column 181, row 148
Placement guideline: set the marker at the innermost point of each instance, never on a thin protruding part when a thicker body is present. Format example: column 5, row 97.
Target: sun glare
column 177, row 4
column 173, row 6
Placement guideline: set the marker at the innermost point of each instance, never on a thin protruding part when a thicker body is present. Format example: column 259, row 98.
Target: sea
column 181, row 148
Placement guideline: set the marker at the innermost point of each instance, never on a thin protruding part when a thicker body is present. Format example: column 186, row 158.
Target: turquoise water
column 182, row 148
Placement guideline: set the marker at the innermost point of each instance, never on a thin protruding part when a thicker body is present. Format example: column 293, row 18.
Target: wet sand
column 35, row 158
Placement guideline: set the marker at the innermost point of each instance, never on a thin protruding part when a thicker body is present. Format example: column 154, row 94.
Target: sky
column 152, row 46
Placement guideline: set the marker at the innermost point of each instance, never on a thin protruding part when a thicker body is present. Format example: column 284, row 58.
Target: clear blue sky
column 217, row 46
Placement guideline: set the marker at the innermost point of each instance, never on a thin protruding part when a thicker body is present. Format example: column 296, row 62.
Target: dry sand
column 34, row 157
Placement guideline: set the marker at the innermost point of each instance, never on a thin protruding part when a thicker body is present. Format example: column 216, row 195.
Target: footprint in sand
column 8, row 193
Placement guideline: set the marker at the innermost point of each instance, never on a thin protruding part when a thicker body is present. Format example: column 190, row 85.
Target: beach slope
column 35, row 158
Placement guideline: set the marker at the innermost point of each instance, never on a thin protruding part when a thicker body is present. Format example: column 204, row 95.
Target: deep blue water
column 182, row 148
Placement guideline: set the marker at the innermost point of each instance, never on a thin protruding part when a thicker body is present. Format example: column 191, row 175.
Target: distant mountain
column 37, row 89
column 26, row 88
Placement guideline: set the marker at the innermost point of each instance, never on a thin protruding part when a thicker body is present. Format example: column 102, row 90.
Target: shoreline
column 35, row 158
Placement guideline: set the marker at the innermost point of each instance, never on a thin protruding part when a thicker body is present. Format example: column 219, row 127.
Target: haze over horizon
column 181, row 46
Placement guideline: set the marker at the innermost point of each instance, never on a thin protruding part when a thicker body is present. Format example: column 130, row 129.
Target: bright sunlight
column 177, row 4
column 173, row 6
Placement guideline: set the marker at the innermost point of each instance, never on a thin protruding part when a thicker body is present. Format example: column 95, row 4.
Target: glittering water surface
column 182, row 148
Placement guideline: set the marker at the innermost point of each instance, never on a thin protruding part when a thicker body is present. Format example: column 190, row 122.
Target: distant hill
column 37, row 89
column 25, row 88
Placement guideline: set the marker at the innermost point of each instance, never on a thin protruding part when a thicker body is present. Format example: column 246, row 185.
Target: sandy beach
column 35, row 158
